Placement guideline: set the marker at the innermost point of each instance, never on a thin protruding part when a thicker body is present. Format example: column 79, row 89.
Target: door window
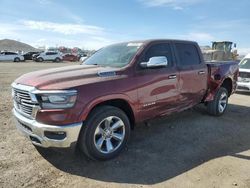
column 188, row 55
column 161, row 49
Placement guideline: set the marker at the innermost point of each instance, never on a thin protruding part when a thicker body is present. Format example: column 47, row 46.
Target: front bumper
column 36, row 132
column 243, row 86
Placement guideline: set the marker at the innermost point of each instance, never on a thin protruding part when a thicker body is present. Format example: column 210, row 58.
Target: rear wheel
column 218, row 106
column 17, row 59
column 105, row 133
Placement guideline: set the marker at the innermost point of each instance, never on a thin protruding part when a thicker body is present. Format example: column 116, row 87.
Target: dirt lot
column 190, row 149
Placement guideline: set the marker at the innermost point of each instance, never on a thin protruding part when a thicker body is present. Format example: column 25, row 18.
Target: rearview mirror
column 154, row 62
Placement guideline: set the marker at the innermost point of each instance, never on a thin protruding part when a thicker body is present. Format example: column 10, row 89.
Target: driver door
column 157, row 87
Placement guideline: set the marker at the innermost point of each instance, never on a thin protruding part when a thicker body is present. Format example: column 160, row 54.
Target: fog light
column 60, row 135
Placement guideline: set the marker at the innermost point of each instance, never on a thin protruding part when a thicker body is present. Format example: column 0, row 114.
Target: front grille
column 23, row 102
column 244, row 74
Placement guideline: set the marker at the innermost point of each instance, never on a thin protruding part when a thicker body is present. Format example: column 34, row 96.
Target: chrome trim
column 54, row 91
column 172, row 76
column 32, row 92
column 27, row 105
column 34, row 129
column 157, row 61
column 201, row 72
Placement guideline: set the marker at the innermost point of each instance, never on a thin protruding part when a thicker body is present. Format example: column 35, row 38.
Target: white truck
column 244, row 74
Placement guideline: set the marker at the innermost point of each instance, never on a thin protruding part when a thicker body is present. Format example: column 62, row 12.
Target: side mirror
column 235, row 45
column 154, row 62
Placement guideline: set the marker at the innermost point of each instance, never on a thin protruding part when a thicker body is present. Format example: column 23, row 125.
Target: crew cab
column 244, row 75
column 49, row 56
column 96, row 104
column 11, row 56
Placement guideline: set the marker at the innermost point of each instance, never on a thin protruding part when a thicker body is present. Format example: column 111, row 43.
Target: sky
column 92, row 24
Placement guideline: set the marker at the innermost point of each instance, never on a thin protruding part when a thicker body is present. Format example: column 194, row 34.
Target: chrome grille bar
column 23, row 101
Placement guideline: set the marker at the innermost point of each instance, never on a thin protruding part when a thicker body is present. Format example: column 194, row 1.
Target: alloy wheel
column 109, row 134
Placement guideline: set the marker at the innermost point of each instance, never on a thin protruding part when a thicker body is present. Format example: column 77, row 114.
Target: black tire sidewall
column 17, row 59
column 86, row 141
column 214, row 105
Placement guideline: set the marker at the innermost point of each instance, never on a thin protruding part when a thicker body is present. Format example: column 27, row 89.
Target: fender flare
column 210, row 95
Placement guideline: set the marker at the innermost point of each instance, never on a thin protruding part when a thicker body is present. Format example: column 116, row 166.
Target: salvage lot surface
column 189, row 149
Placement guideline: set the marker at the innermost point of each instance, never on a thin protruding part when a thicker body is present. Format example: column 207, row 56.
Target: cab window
column 187, row 54
column 161, row 49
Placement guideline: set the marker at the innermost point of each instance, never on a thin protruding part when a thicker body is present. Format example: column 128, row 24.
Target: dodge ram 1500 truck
column 96, row 104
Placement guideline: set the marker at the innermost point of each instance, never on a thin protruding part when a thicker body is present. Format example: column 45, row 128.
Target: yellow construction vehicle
column 221, row 51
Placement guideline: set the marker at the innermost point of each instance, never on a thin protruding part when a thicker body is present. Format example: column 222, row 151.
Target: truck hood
column 67, row 77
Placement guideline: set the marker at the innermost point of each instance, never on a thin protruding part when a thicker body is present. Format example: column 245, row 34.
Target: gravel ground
column 189, row 149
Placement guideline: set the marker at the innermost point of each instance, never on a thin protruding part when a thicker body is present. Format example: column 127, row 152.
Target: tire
column 57, row 60
column 218, row 106
column 95, row 133
column 17, row 59
column 40, row 59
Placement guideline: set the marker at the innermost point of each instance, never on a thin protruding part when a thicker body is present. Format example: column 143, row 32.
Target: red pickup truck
column 96, row 104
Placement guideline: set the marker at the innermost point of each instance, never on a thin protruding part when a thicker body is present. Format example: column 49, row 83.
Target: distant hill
column 13, row 45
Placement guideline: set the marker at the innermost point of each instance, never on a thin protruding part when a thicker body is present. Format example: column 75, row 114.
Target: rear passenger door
column 193, row 73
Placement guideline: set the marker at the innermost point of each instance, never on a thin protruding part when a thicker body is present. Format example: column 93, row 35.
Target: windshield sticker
column 134, row 44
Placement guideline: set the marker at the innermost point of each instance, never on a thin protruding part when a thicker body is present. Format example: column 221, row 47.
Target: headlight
column 57, row 100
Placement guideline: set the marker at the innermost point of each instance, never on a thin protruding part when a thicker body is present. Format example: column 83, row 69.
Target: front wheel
column 105, row 133
column 218, row 106
column 40, row 59
column 17, row 59
column 57, row 60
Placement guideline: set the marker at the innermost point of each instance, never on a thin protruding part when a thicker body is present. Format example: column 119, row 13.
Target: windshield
column 117, row 55
column 245, row 64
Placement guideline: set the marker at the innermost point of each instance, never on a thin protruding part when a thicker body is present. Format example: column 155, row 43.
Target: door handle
column 172, row 76
column 201, row 72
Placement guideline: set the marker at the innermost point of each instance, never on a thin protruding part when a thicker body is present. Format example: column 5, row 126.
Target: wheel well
column 227, row 83
column 123, row 105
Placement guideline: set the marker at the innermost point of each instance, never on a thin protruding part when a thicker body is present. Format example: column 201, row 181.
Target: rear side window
column 50, row 53
column 188, row 54
column 161, row 49
column 10, row 53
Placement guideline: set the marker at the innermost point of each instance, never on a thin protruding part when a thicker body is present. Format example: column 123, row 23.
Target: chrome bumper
column 243, row 86
column 36, row 132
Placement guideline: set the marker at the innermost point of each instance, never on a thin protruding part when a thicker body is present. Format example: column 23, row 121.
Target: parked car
column 49, row 56
column 82, row 59
column 70, row 57
column 244, row 74
column 79, row 56
column 34, row 56
column 29, row 55
column 11, row 56
column 96, row 104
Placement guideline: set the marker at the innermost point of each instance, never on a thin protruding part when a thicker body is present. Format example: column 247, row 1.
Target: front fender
column 92, row 104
